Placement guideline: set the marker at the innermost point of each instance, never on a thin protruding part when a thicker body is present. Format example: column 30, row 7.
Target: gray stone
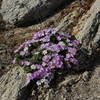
column 67, row 21
column 78, row 89
column 83, row 86
column 11, row 84
column 87, row 87
column 25, row 12
column 89, row 36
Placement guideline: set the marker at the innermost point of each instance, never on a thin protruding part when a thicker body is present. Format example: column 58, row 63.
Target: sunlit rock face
column 89, row 35
column 78, row 86
column 26, row 12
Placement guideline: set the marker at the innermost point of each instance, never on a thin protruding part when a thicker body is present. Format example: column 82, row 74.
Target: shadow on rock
column 41, row 14
column 86, row 63
column 26, row 91
column 2, row 24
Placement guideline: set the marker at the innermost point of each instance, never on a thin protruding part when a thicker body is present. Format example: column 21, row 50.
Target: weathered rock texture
column 89, row 36
column 69, row 15
column 1, row 19
column 11, row 83
column 80, row 85
column 26, row 12
column 86, row 86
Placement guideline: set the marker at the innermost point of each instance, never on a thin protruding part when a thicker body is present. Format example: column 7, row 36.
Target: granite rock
column 27, row 12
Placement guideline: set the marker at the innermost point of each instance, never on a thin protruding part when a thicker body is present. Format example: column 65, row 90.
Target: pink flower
column 46, row 58
column 27, row 63
column 75, row 42
column 72, row 50
column 14, row 61
column 22, row 53
column 59, row 38
column 73, row 60
column 55, row 49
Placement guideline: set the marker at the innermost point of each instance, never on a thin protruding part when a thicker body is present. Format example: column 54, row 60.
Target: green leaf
column 53, row 39
column 28, row 70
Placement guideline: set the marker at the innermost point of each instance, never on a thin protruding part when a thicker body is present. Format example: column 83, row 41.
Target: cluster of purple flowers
column 45, row 52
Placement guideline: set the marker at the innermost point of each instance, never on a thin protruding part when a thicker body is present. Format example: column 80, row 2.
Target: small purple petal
column 22, row 53
column 46, row 58
column 72, row 50
column 14, row 61
column 59, row 38
column 27, row 63
column 73, row 60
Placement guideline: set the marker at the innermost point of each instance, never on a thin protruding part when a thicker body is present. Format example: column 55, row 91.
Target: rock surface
column 84, row 87
column 89, row 36
column 80, row 85
column 11, row 83
column 87, row 85
column 1, row 19
column 26, row 12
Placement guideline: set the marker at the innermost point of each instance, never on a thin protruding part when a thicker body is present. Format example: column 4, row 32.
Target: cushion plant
column 46, row 52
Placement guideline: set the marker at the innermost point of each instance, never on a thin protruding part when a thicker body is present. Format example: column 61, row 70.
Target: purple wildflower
column 75, row 43
column 22, row 62
column 17, row 50
column 46, row 58
column 45, row 39
column 73, row 60
column 59, row 38
column 40, row 73
column 22, row 53
column 72, row 50
column 27, row 63
column 45, row 45
column 14, row 61
column 55, row 49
